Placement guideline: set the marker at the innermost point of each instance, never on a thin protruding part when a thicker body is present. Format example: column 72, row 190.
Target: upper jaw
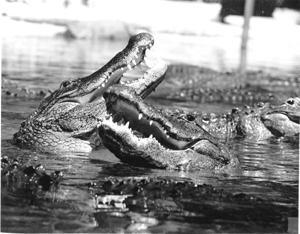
column 90, row 88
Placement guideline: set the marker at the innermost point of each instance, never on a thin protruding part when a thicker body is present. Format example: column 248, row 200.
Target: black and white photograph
column 150, row 116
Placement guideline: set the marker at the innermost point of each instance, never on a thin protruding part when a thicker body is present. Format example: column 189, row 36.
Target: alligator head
column 162, row 141
column 67, row 120
column 284, row 119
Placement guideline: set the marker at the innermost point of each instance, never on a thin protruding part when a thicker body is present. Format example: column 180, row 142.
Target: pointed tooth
column 168, row 136
column 127, row 124
column 151, row 122
column 134, row 62
column 122, row 68
column 140, row 116
column 145, row 62
column 129, row 67
column 111, row 118
column 151, row 136
column 103, row 85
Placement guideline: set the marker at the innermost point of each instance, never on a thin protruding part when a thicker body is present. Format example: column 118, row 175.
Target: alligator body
column 206, row 208
column 202, row 85
column 137, row 202
column 67, row 120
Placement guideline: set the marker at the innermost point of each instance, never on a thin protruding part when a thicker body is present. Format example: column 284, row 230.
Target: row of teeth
column 143, row 62
column 110, row 118
column 150, row 123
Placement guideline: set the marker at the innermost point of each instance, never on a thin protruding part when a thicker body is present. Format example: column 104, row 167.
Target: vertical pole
column 248, row 12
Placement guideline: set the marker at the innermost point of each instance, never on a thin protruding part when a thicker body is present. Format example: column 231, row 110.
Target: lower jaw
column 148, row 152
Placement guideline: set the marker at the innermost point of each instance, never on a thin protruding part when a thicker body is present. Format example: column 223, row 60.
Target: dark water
column 270, row 168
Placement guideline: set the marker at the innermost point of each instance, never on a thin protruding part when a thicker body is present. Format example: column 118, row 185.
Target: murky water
column 269, row 168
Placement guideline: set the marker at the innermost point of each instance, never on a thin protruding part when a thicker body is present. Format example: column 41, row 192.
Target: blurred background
column 53, row 38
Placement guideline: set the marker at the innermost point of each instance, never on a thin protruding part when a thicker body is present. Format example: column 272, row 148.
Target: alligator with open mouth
column 68, row 119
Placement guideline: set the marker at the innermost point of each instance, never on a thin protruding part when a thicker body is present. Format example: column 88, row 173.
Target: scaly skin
column 192, row 83
column 67, row 120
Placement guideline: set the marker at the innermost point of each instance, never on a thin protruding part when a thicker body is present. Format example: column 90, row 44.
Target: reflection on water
column 269, row 168
column 36, row 61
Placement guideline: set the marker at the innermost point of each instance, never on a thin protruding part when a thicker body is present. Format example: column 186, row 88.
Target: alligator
column 203, row 206
column 169, row 142
column 139, row 201
column 67, row 120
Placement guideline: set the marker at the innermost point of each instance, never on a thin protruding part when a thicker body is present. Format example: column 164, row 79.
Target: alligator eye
column 290, row 102
column 65, row 83
column 190, row 117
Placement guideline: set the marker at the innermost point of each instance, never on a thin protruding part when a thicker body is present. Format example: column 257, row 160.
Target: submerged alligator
column 138, row 202
column 185, row 82
column 76, row 118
